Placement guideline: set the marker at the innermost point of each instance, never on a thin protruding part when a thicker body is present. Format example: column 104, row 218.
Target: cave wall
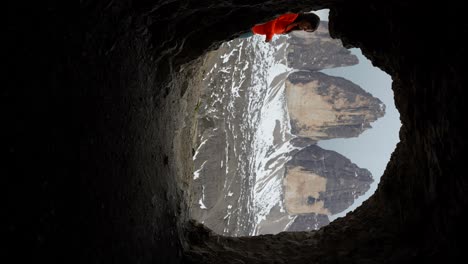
column 98, row 133
column 420, row 181
column 93, row 175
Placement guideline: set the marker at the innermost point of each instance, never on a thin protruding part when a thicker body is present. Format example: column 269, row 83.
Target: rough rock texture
column 325, row 107
column 96, row 153
column 308, row 222
column 323, row 182
column 221, row 188
column 318, row 51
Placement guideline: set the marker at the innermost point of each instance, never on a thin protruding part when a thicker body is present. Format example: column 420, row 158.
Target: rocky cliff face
column 308, row 222
column 255, row 116
column 318, row 51
column 324, row 107
column 322, row 182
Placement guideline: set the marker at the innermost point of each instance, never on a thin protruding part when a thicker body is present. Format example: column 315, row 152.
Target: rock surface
column 323, row 182
column 94, row 173
column 308, row 222
column 317, row 51
column 325, row 107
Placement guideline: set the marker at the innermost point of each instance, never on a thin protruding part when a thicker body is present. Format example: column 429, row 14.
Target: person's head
column 307, row 21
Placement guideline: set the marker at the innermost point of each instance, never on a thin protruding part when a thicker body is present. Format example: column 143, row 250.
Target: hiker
column 284, row 24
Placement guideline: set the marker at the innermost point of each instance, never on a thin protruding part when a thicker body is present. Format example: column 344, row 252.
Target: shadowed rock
column 308, row 222
column 323, row 181
column 317, row 51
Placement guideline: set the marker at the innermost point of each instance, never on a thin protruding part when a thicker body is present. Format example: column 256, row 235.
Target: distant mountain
column 318, row 51
column 263, row 107
column 325, row 107
column 323, row 182
column 316, row 183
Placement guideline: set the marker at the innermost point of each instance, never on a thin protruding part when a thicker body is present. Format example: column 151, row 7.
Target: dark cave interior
column 98, row 140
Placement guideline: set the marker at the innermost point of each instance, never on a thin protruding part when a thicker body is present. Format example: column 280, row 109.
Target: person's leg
column 246, row 35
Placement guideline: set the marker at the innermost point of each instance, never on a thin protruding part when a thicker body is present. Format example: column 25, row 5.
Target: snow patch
column 202, row 205
column 226, row 57
column 196, row 174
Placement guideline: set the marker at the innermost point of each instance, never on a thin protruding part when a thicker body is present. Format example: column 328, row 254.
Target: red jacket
column 275, row 26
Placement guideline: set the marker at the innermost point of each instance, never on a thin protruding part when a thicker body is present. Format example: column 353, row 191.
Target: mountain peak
column 324, row 107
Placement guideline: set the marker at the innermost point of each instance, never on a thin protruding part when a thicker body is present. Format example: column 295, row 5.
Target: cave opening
column 273, row 149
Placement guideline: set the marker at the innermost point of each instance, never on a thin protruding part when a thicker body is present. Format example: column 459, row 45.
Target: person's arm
column 290, row 27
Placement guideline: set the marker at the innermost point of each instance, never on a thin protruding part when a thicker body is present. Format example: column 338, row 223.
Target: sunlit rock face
column 325, row 107
column 302, row 191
